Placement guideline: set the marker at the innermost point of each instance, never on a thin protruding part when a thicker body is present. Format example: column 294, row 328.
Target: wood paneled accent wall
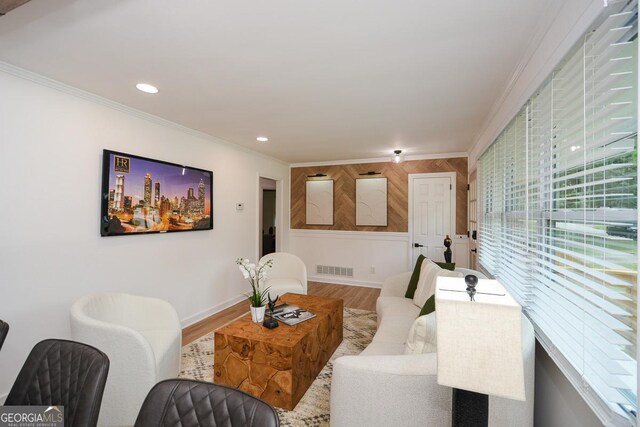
column 344, row 197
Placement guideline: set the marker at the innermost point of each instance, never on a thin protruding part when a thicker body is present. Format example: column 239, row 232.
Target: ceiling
column 324, row 80
column 7, row 6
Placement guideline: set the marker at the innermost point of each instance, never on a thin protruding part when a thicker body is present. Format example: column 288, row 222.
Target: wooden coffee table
column 278, row 365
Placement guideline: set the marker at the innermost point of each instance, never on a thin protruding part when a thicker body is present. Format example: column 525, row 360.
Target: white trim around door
column 412, row 178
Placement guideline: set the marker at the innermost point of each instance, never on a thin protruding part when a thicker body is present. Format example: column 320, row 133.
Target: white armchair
column 288, row 274
column 142, row 338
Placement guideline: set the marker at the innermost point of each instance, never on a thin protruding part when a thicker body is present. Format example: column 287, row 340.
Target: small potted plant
column 256, row 275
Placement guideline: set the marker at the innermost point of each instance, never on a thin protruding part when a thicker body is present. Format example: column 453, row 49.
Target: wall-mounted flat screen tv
column 141, row 196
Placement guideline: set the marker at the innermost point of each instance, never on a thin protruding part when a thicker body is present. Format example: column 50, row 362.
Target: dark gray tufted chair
column 4, row 330
column 186, row 403
column 66, row 373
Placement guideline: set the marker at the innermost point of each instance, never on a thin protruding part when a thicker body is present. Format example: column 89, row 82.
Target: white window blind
column 558, row 212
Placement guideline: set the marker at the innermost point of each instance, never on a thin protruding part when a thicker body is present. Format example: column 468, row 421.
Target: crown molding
column 97, row 99
column 385, row 159
column 535, row 66
column 541, row 32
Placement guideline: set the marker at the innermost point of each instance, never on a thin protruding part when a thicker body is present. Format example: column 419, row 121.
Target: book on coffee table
column 291, row 314
column 277, row 309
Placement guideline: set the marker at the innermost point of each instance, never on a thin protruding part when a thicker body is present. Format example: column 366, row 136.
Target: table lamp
column 479, row 340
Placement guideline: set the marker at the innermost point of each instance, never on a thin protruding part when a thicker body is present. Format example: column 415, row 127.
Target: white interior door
column 432, row 214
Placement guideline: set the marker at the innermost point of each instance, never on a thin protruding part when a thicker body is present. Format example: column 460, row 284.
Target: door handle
column 418, row 245
column 474, row 250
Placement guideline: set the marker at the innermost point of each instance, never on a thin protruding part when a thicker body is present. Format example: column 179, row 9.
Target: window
column 558, row 209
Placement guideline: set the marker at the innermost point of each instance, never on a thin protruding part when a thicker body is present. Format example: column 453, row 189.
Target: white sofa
column 382, row 386
column 142, row 338
column 288, row 274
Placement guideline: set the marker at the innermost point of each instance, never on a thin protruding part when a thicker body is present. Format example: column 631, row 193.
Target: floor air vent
column 331, row 270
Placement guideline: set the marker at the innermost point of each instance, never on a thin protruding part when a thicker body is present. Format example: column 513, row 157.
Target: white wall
column 361, row 250
column 51, row 251
column 557, row 403
column 387, row 253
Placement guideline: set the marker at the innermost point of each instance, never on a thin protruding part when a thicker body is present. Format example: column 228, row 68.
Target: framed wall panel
column 319, row 202
column 344, row 188
column 371, row 201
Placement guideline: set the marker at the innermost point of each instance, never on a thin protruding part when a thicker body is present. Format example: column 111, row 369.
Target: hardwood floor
column 353, row 297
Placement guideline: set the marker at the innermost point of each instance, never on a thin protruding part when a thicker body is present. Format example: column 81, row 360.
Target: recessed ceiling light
column 262, row 139
column 145, row 87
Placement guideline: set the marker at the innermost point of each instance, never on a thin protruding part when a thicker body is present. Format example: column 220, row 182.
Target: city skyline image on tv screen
column 141, row 195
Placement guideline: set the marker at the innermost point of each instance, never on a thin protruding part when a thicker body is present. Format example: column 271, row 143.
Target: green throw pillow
column 413, row 282
column 429, row 306
column 447, row 265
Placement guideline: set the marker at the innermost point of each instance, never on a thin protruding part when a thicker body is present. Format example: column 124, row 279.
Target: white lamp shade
column 479, row 342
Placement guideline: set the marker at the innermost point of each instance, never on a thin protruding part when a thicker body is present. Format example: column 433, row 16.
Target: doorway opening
column 473, row 219
column 268, row 219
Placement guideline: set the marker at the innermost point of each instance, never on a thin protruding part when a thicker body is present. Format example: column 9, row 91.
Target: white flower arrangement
column 256, row 276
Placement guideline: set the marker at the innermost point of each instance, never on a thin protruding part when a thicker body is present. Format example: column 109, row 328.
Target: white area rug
column 313, row 408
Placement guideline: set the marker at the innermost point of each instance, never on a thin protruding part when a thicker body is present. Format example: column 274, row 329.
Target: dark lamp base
column 469, row 409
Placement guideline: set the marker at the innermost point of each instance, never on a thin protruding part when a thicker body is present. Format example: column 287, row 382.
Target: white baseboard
column 195, row 318
column 343, row 281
